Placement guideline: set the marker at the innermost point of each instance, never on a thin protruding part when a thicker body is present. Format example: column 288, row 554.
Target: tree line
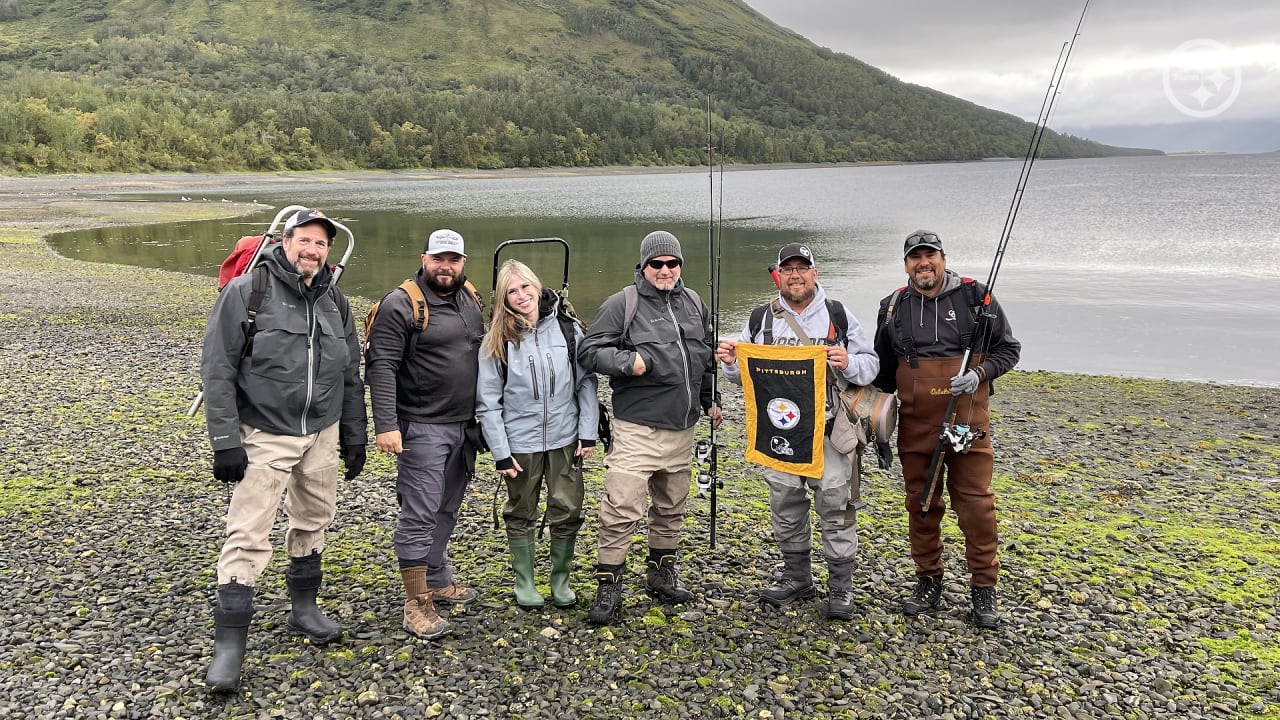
column 135, row 98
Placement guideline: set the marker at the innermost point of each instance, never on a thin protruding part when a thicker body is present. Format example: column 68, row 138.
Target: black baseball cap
column 796, row 250
column 310, row 215
column 921, row 238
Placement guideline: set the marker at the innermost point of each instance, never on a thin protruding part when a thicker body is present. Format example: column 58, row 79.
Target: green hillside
column 214, row 85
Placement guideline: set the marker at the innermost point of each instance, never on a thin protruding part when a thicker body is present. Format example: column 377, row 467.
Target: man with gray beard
column 281, row 372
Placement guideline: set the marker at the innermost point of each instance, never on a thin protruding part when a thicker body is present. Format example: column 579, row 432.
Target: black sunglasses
column 659, row 264
column 925, row 239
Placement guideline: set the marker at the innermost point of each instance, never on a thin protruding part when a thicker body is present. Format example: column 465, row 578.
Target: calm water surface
column 1126, row 266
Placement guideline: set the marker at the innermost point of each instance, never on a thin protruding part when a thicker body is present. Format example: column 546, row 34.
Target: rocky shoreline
column 1138, row 523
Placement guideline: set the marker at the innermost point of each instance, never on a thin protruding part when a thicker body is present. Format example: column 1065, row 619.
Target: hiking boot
column 421, row 618
column 454, row 594
column 661, row 579
column 985, row 613
column 839, row 604
column 787, row 591
column 927, row 594
column 607, row 606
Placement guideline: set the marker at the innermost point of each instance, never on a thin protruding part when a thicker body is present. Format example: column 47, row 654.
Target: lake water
column 1141, row 267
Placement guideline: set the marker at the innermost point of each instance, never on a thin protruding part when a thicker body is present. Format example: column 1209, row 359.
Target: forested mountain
column 215, row 85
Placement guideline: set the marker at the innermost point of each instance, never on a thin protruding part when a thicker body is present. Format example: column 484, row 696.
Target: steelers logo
column 783, row 413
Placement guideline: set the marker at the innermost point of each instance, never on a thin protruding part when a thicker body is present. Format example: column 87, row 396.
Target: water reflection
column 388, row 246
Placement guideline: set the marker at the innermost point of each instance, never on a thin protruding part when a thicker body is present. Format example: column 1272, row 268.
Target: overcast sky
column 1135, row 62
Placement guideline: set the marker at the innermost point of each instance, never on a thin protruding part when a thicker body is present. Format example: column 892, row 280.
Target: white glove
column 965, row 383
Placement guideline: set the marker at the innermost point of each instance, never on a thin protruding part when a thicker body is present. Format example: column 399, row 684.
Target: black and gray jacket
column 674, row 336
column 436, row 383
column 303, row 373
column 936, row 331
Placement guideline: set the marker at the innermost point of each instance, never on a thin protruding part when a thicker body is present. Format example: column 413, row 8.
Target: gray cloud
column 999, row 53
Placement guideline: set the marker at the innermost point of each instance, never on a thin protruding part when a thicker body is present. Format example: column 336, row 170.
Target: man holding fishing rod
column 924, row 333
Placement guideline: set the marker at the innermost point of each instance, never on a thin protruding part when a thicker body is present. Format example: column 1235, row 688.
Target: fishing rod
column 708, row 450
column 959, row 437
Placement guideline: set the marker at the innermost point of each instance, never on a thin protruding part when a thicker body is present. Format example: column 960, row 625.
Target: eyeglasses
column 922, row 239
column 793, row 269
column 659, row 264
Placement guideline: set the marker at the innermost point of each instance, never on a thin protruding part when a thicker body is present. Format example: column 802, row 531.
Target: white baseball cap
column 443, row 241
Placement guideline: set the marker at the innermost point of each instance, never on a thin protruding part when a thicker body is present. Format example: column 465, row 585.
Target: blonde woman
column 539, row 411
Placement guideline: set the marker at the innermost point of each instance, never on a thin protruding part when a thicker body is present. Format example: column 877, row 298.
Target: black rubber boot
column 661, row 579
column 796, row 583
column 927, row 594
column 608, row 603
column 304, row 577
column 231, row 618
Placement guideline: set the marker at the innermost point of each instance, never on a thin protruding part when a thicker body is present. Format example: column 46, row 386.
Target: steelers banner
column 785, row 390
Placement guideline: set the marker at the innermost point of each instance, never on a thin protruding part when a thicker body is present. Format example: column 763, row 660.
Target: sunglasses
column 923, row 239
column 659, row 264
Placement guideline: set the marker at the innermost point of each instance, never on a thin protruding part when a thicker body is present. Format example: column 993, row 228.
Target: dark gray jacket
column 674, row 336
column 304, row 371
column 436, row 383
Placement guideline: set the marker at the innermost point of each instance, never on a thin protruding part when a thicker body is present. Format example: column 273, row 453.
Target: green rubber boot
column 527, row 595
column 562, row 551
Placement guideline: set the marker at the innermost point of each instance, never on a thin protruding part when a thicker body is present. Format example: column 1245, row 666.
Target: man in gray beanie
column 654, row 340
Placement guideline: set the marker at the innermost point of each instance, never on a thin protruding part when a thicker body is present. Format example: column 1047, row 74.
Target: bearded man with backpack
column 922, row 331
column 281, row 373
column 803, row 314
column 421, row 362
column 654, row 341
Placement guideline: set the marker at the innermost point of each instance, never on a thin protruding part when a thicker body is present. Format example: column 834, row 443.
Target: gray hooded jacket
column 543, row 399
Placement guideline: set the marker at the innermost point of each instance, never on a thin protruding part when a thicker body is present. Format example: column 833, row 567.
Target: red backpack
column 238, row 261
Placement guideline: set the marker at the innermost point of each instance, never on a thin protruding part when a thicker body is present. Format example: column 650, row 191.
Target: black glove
column 229, row 465
column 884, row 455
column 353, row 458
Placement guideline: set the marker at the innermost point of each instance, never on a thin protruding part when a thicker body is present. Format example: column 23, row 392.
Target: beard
column 800, row 295
column 308, row 273
column 441, row 282
column 929, row 284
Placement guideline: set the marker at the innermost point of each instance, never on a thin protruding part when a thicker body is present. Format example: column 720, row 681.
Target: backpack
column 865, row 414
column 965, row 323
column 631, row 302
column 838, row 321
column 421, row 311
column 238, row 260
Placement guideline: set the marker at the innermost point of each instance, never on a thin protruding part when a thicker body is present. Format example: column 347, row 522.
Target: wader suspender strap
column 907, row 342
column 964, row 321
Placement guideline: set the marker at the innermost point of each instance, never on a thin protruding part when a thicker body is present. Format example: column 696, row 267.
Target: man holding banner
column 792, row 358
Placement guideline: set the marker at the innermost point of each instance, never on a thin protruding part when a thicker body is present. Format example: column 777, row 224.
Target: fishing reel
column 960, row 438
column 702, row 452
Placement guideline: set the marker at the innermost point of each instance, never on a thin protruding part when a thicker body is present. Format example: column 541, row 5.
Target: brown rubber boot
column 420, row 616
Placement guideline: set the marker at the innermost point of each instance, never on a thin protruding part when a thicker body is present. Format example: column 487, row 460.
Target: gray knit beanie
column 658, row 243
